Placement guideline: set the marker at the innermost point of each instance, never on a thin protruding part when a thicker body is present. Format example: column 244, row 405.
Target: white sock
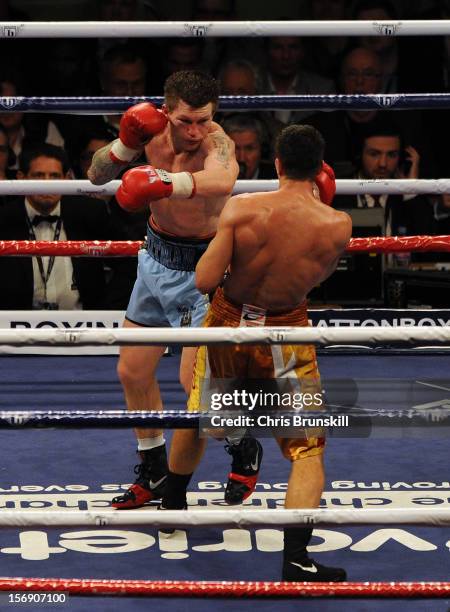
column 149, row 443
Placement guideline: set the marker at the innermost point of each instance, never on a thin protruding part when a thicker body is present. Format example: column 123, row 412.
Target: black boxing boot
column 298, row 567
column 150, row 482
column 174, row 495
column 247, row 457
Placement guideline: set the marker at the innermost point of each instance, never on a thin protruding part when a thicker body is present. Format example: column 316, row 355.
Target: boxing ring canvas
column 84, row 469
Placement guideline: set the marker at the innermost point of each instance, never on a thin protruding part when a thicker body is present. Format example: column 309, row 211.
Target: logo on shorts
column 186, row 315
column 198, row 31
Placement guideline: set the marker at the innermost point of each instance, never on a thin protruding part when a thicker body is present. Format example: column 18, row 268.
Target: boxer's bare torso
column 208, row 154
column 279, row 245
column 196, row 217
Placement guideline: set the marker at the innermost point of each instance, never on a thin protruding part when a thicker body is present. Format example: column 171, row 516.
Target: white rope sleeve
column 437, row 517
column 223, row 335
column 158, row 29
column 343, row 187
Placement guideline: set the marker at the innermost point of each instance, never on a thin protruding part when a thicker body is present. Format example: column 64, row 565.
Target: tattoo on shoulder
column 222, row 149
column 102, row 169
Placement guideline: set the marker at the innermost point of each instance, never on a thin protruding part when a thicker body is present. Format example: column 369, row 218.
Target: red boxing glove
column 137, row 127
column 145, row 184
column 326, row 183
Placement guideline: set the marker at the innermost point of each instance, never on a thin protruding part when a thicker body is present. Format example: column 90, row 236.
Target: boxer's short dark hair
column 194, row 87
column 300, row 150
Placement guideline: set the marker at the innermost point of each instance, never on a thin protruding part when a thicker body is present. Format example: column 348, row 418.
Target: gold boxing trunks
column 260, row 362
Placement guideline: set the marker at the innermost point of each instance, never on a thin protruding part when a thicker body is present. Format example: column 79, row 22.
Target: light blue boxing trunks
column 164, row 294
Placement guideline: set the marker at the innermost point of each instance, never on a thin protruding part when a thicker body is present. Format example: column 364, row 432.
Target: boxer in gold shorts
column 242, row 361
column 275, row 247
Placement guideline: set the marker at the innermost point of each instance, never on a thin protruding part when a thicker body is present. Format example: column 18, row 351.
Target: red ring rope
column 182, row 588
column 124, row 248
column 395, row 244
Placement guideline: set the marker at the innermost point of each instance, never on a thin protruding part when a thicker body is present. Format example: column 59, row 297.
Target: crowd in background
column 359, row 144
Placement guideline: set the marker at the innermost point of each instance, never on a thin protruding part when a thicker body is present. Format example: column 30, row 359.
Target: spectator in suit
column 284, row 74
column 384, row 156
column 344, row 131
column 240, row 78
column 410, row 64
column 55, row 282
column 248, row 136
column 387, row 48
column 122, row 72
column 148, row 50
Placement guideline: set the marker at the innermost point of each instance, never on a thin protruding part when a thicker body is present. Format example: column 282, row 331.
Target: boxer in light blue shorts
column 164, row 294
column 192, row 174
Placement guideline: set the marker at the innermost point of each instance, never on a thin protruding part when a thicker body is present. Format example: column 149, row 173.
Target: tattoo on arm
column 103, row 169
column 222, row 150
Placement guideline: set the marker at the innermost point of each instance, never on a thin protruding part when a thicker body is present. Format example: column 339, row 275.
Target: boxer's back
column 285, row 243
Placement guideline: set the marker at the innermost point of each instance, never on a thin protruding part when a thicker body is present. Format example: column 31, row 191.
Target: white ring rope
column 437, row 517
column 158, row 29
column 343, row 187
column 225, row 335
